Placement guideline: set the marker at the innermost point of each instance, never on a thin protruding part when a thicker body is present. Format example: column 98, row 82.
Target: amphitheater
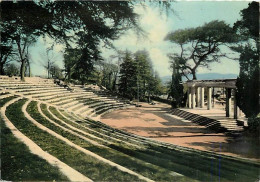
column 53, row 132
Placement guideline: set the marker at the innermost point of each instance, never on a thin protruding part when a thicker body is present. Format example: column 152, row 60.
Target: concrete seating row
column 83, row 101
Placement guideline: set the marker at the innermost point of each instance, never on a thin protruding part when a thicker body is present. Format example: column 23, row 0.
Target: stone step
column 208, row 122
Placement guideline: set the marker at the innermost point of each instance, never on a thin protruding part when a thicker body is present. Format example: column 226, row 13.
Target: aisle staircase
column 222, row 124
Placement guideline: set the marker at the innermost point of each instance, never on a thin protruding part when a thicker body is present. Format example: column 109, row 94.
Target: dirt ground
column 154, row 121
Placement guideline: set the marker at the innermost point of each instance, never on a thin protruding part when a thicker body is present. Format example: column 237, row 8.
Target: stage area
column 157, row 122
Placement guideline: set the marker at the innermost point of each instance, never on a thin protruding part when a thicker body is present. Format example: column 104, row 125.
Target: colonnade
column 196, row 97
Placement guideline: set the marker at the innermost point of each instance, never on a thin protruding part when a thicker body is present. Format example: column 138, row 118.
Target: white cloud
column 156, row 27
column 155, row 24
column 58, row 47
column 190, row 14
column 160, row 62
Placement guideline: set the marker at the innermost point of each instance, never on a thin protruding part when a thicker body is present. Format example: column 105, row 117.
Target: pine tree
column 248, row 81
column 128, row 79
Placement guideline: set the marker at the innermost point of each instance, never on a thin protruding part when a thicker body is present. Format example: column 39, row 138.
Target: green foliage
column 144, row 76
column 175, row 86
column 56, row 72
column 200, row 46
column 248, row 81
column 11, row 70
column 155, row 86
column 254, row 126
column 6, row 51
column 78, row 65
column 85, row 24
column 128, row 79
column 71, row 57
column 107, row 75
column 176, row 91
column 18, row 28
column 248, row 26
column 137, row 78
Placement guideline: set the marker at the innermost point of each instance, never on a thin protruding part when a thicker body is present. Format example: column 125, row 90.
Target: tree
column 6, row 51
column 248, row 81
column 22, row 43
column 128, row 80
column 18, row 29
column 108, row 74
column 143, row 72
column 71, row 57
column 86, row 20
column 137, row 78
column 17, row 44
column 175, row 86
column 200, row 46
column 11, row 69
column 154, row 86
column 48, row 61
column 84, row 24
column 56, row 72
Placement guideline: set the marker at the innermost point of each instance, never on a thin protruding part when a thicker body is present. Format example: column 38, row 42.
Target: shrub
column 254, row 126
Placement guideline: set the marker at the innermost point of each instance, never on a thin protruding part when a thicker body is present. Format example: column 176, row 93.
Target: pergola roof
column 220, row 83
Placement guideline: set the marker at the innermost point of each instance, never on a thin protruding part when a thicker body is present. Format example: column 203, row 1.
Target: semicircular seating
column 63, row 125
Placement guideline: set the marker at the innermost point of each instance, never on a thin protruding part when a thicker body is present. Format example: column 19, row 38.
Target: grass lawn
column 18, row 163
column 87, row 165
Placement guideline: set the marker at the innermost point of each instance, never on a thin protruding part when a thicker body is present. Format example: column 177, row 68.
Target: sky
column 187, row 14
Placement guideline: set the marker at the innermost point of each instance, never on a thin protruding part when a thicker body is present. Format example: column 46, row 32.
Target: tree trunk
column 109, row 80
column 149, row 96
column 144, row 89
column 22, row 69
column 48, row 70
column 2, row 68
column 114, row 82
column 29, row 68
column 194, row 75
column 69, row 74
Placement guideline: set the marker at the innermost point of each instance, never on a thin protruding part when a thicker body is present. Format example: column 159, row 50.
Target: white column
column 235, row 105
column 213, row 99
column 228, row 102
column 193, row 102
column 198, row 96
column 209, row 98
column 201, row 97
column 189, row 97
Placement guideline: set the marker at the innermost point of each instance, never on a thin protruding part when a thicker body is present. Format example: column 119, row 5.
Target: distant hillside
column 204, row 76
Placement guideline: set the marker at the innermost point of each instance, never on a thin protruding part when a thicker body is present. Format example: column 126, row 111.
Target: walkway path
column 154, row 121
